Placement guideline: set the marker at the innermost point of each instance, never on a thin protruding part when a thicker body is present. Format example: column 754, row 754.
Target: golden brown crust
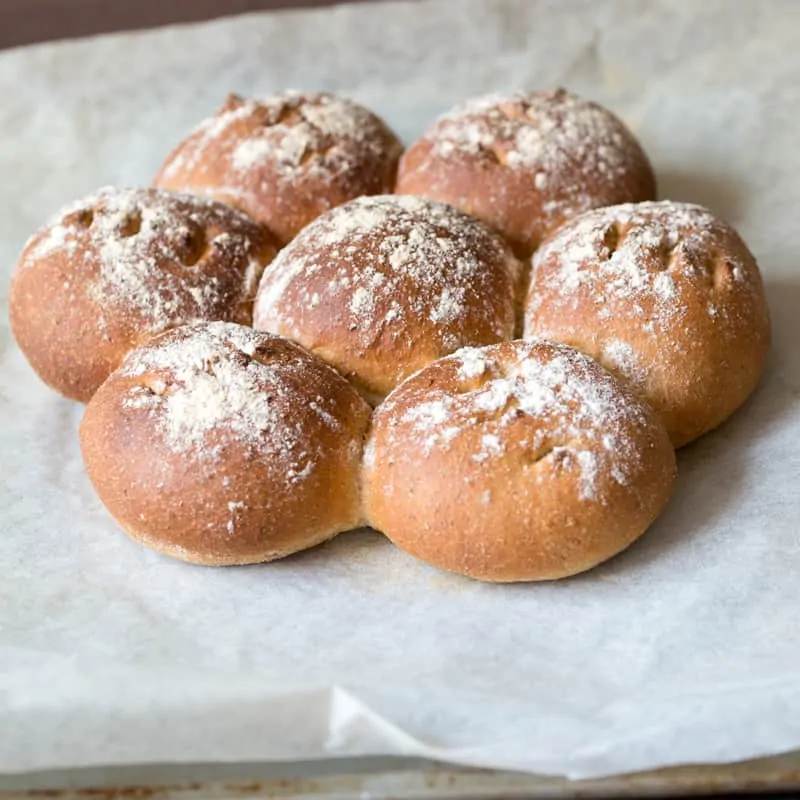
column 286, row 159
column 219, row 445
column 122, row 265
column 383, row 285
column 526, row 162
column 663, row 294
column 515, row 462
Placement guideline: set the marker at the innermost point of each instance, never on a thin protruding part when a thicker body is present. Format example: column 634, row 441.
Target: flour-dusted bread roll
column 219, row 445
column 519, row 461
column 286, row 159
column 527, row 161
column 121, row 265
column 381, row 286
column 663, row 294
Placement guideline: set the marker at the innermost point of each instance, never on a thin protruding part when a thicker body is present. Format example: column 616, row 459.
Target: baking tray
column 384, row 778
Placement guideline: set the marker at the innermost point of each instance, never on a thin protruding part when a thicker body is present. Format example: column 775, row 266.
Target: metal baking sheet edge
column 383, row 778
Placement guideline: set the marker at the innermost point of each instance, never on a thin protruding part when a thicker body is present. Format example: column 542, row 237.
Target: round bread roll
column 664, row 295
column 525, row 162
column 121, row 265
column 521, row 461
column 384, row 285
column 286, row 159
column 219, row 445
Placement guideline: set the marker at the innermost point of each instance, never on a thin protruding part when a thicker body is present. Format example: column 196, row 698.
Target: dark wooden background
column 28, row 21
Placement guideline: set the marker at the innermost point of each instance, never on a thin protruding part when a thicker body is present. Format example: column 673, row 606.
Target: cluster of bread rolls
column 486, row 347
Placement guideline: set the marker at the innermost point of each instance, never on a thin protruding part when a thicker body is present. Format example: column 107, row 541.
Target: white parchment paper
column 684, row 649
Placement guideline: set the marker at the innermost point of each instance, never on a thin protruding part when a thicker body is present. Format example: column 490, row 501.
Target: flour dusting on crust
column 393, row 268
column 575, row 153
column 542, row 132
column 210, row 385
column 286, row 134
column 155, row 256
column 547, row 401
column 656, row 272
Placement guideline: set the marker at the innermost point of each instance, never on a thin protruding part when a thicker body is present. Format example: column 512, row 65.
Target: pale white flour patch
column 211, row 384
column 575, row 415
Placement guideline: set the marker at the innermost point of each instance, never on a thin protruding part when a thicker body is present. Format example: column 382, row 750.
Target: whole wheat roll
column 526, row 161
column 520, row 461
column 121, row 265
column 382, row 286
column 665, row 295
column 286, row 158
column 219, row 445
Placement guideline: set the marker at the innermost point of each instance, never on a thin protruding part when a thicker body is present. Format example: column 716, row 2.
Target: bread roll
column 666, row 296
column 383, row 285
column 520, row 461
column 121, row 265
column 219, row 445
column 527, row 161
column 285, row 159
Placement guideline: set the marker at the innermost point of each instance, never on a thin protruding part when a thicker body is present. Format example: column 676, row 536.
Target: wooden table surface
column 28, row 21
